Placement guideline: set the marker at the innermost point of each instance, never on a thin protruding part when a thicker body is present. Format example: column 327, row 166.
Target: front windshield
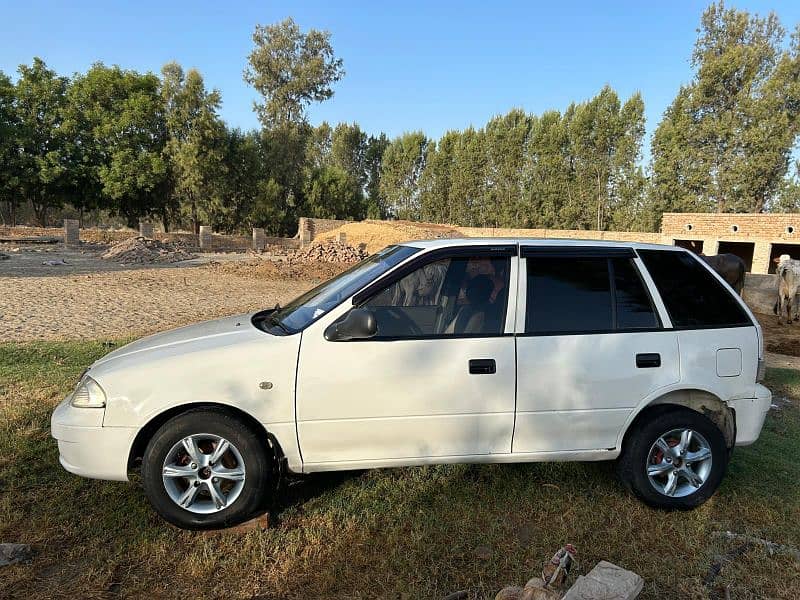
column 304, row 310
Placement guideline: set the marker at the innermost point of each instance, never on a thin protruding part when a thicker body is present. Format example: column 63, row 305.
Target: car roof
column 524, row 241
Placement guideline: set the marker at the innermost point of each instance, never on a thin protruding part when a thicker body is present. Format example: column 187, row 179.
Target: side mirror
column 358, row 324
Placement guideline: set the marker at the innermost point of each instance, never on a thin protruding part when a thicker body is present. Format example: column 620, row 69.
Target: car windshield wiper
column 273, row 320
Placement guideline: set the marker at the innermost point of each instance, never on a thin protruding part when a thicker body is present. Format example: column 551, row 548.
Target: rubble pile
column 332, row 251
column 139, row 250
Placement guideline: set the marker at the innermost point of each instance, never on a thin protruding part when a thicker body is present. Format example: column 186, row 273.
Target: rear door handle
column 482, row 366
column 648, row 360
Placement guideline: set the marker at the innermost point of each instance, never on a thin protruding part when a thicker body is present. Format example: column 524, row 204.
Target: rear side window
column 692, row 295
column 585, row 295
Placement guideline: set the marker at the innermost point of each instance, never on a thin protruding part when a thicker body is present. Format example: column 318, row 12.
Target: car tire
column 652, row 467
column 208, row 491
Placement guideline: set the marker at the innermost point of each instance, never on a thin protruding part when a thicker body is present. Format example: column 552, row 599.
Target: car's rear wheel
column 674, row 459
column 205, row 469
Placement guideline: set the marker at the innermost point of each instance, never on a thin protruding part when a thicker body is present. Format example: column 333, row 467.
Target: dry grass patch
column 415, row 532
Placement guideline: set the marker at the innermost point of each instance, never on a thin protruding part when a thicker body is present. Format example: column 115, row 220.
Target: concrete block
column 606, row 581
column 206, row 240
column 146, row 229
column 72, row 232
column 259, row 239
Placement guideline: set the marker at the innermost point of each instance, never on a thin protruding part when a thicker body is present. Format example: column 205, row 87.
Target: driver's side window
column 454, row 296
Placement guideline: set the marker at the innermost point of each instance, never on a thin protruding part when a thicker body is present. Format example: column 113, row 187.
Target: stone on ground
column 606, row 581
column 14, row 553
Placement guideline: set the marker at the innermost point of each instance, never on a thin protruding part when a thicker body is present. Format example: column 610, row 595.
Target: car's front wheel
column 674, row 459
column 205, row 469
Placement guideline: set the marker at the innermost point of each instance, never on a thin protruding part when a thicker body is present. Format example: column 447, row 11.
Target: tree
column 290, row 69
column 10, row 160
column 195, row 142
column 436, row 201
column 40, row 100
column 468, row 179
column 373, row 158
column 725, row 142
column 348, row 151
column 505, row 138
column 234, row 193
column 403, row 163
column 332, row 193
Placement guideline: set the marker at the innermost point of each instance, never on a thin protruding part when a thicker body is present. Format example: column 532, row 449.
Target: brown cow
column 730, row 267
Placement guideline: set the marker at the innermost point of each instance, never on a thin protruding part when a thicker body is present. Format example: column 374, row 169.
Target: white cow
column 788, row 283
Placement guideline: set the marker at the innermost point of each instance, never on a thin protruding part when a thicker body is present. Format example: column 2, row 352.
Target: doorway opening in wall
column 776, row 250
column 695, row 246
column 743, row 250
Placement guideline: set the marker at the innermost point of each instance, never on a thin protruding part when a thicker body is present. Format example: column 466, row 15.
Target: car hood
column 218, row 328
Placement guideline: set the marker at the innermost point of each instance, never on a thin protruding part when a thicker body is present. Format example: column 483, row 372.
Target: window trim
column 577, row 252
column 509, row 251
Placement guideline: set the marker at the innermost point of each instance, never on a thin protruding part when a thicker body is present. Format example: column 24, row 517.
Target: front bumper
column 750, row 415
column 88, row 449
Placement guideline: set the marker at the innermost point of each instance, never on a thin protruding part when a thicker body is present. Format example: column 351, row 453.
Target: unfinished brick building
column 756, row 238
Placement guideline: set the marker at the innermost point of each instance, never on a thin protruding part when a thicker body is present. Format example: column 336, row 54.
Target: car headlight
column 88, row 394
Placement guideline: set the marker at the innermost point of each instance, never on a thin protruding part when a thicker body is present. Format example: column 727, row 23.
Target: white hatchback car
column 444, row 351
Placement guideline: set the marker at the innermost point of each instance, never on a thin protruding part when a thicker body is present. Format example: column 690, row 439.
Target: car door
column 436, row 381
column 589, row 349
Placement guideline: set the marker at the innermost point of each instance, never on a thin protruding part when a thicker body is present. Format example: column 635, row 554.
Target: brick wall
column 732, row 227
column 573, row 234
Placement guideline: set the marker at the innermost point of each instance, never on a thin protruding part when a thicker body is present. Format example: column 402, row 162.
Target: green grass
column 415, row 533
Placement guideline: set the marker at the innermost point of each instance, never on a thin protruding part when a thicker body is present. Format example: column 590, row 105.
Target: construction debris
column 331, row 251
column 139, row 250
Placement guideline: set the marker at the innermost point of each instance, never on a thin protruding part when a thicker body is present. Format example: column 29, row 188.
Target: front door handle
column 482, row 366
column 648, row 360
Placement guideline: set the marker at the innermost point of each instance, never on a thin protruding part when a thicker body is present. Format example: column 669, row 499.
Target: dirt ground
column 91, row 298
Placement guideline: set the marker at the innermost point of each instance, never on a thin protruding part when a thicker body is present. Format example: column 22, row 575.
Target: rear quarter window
column 693, row 296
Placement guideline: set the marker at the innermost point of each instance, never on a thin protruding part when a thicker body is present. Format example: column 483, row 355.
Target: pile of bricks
column 332, row 251
column 139, row 250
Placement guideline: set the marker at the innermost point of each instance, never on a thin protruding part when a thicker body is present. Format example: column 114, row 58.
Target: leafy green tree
column 10, row 163
column 436, row 202
column 505, row 138
column 373, row 157
column 348, row 151
column 468, row 179
column 290, row 69
column 725, row 142
column 234, row 193
column 195, row 144
column 332, row 193
column 547, row 178
column 40, row 100
column 401, row 168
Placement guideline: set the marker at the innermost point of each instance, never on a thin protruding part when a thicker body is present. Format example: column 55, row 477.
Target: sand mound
column 139, row 250
column 379, row 234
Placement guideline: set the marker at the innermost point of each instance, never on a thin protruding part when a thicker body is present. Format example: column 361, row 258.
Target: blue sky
column 410, row 65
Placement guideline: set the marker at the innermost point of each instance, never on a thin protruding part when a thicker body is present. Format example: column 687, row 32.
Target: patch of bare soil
column 264, row 269
column 779, row 339
column 128, row 303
